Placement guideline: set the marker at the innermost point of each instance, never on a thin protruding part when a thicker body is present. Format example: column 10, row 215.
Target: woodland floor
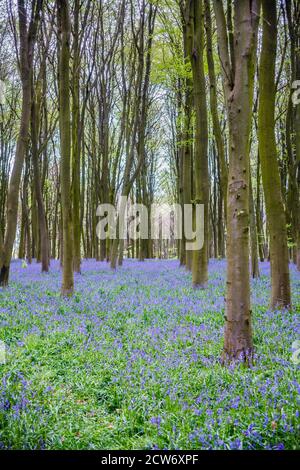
column 132, row 362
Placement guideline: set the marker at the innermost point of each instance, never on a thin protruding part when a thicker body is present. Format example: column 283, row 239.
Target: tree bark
column 65, row 146
column 253, row 236
column 27, row 43
column 293, row 125
column 279, row 256
column 200, row 257
column 238, row 79
column 214, row 108
column 187, row 147
column 76, row 143
column 43, row 232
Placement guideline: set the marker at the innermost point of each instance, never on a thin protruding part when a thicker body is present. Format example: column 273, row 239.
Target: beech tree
column 195, row 11
column 238, row 65
column 65, row 144
column 217, row 130
column 281, row 295
column 27, row 39
column 293, row 124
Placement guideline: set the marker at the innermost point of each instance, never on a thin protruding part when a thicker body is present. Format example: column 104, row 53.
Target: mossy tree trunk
column 293, row 125
column 279, row 256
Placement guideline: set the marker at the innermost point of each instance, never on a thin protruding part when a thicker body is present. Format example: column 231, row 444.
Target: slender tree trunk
column 259, row 221
column 279, row 256
column 200, row 256
column 76, row 144
column 238, row 78
column 187, row 148
column 293, row 125
column 65, row 146
column 253, row 236
column 214, row 107
column 27, row 43
column 21, row 254
column 43, row 232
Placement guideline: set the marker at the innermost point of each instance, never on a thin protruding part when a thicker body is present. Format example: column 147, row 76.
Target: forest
column 149, row 225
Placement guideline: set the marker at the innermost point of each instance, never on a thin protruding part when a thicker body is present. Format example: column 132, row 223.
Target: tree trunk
column 293, row 125
column 238, row 79
column 65, row 146
column 253, row 236
column 258, row 210
column 279, row 256
column 27, row 43
column 214, row 108
column 76, row 144
column 187, row 148
column 43, row 232
column 200, row 257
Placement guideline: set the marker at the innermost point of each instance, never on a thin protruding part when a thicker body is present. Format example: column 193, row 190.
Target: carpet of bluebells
column 132, row 361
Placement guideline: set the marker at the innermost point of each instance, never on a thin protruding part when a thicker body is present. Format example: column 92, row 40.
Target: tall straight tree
column 75, row 141
column 78, row 114
column 65, row 144
column 293, row 123
column 279, row 256
column 237, row 58
column 43, row 232
column 187, row 112
column 27, row 39
column 200, row 256
column 213, row 101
